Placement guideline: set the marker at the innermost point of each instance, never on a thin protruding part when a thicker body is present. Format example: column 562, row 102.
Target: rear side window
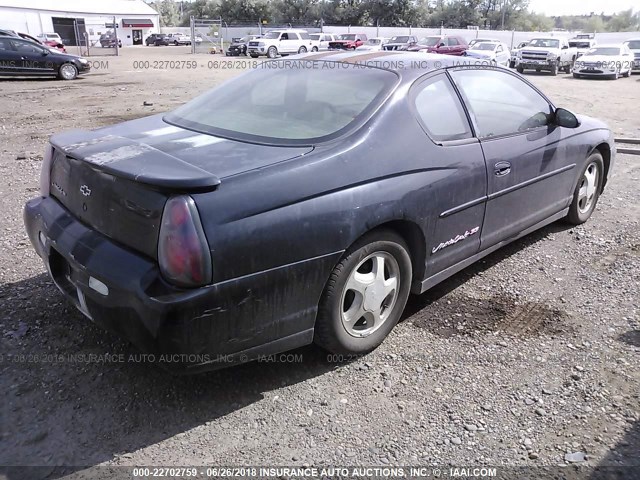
column 440, row 111
column 501, row 103
column 305, row 36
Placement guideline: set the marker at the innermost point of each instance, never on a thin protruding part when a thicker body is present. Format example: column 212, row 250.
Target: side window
column 501, row 103
column 26, row 47
column 284, row 36
column 440, row 111
column 453, row 42
column 304, row 36
column 5, row 45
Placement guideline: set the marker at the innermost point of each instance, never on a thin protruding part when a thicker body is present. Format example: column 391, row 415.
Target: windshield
column 545, row 42
column 296, row 105
column 347, row 36
column 607, row 51
column 580, row 44
column 272, row 35
column 484, row 46
column 374, row 41
column 429, row 41
column 633, row 44
column 399, row 40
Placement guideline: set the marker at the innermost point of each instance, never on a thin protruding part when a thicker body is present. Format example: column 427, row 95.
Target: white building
column 78, row 20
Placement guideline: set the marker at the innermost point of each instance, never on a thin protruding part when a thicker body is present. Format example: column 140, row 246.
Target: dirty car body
column 275, row 209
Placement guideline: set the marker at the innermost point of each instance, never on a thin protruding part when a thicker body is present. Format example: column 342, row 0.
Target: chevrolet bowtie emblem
column 84, row 190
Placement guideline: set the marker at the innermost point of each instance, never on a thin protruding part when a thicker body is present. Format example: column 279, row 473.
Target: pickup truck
column 583, row 42
column 547, row 54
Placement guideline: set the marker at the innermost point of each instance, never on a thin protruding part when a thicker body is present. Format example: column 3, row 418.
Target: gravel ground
column 529, row 357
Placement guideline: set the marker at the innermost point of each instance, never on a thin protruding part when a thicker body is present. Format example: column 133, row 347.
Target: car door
column 10, row 61
column 459, row 194
column 529, row 166
column 288, row 42
column 452, row 46
column 33, row 58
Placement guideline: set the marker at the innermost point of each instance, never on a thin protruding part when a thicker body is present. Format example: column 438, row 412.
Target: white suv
column 282, row 42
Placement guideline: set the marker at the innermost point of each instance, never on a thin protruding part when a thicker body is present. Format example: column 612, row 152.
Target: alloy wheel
column 370, row 294
column 588, row 186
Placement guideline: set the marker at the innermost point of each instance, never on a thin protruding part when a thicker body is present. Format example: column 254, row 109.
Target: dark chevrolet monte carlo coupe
column 294, row 205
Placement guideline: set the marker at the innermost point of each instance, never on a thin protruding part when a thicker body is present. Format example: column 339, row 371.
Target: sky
column 580, row 7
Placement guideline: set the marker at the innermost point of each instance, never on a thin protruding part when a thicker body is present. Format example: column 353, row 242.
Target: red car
column 48, row 43
column 445, row 44
column 348, row 41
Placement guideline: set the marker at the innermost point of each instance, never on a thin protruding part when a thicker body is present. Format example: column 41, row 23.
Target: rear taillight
column 183, row 251
column 45, row 173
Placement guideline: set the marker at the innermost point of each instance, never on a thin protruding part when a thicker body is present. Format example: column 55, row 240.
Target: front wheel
column 67, row 71
column 272, row 52
column 365, row 295
column 520, row 69
column 587, row 192
column 554, row 69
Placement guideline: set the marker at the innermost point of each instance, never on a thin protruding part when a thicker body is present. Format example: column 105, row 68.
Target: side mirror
column 564, row 47
column 564, row 118
column 441, row 44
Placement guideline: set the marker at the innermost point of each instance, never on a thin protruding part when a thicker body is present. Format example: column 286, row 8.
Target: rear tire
column 302, row 49
column 365, row 294
column 587, row 192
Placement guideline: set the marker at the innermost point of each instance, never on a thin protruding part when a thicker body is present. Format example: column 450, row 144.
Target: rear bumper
column 191, row 330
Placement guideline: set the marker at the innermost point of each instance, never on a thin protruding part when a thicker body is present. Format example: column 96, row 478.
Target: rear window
column 633, row 44
column 288, row 102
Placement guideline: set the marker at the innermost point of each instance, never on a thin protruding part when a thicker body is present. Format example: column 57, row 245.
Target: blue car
column 304, row 201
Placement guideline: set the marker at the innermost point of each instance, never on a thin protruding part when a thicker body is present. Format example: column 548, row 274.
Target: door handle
column 502, row 168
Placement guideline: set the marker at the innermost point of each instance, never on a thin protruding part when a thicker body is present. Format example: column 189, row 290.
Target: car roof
column 396, row 61
column 609, row 45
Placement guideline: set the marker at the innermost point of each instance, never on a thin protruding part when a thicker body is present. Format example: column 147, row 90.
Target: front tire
column 520, row 69
column 272, row 52
column 587, row 192
column 67, row 71
column 554, row 70
column 365, row 295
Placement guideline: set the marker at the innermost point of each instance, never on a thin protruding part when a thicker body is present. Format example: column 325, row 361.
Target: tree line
column 486, row 14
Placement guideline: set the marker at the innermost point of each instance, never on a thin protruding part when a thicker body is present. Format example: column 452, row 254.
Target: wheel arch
column 605, row 150
column 414, row 237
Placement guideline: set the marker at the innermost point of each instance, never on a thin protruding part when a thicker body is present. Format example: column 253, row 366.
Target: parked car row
column 580, row 56
column 160, row 39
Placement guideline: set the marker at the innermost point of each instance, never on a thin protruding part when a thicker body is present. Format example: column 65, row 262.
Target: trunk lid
column 117, row 179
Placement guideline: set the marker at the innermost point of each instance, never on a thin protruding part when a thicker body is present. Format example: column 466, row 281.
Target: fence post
column 377, row 28
column 192, row 24
column 513, row 35
column 115, row 34
column 86, row 39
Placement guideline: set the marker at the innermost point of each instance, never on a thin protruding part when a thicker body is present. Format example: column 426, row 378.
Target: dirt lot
column 530, row 355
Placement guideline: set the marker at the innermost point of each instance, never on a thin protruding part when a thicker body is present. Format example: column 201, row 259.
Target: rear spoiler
column 135, row 161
